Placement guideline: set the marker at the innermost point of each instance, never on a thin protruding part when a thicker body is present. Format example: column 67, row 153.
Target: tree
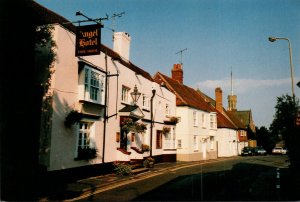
column 283, row 126
column 44, row 55
column 264, row 138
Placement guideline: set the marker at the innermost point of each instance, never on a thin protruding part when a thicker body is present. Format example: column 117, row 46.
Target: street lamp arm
column 273, row 39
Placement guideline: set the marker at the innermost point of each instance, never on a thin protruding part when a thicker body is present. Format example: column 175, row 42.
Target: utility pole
column 181, row 55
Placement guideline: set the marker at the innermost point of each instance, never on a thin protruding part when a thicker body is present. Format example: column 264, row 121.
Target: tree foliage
column 265, row 139
column 44, row 55
column 283, row 125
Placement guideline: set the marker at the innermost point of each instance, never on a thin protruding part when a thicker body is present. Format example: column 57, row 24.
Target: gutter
column 151, row 117
column 105, row 110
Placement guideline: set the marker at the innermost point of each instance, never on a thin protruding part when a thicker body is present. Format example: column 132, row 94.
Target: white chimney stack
column 122, row 44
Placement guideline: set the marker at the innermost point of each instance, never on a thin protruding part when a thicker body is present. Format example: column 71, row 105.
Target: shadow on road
column 244, row 182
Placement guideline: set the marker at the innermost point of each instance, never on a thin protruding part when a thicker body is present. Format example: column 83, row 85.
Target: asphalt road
column 242, row 178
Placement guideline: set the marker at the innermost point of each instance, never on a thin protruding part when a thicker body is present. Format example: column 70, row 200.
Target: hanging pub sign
column 88, row 40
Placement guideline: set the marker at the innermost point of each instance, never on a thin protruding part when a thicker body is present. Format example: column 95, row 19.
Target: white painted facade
column 196, row 134
column 68, row 91
column 227, row 142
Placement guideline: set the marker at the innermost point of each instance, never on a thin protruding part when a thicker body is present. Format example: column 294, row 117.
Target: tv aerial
column 181, row 55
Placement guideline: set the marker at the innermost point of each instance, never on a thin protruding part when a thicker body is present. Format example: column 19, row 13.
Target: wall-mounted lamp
column 135, row 95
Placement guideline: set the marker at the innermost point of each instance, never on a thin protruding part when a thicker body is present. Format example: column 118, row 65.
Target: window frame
column 195, row 118
column 203, row 120
column 213, row 121
column 179, row 143
column 167, row 110
column 159, row 139
column 195, row 143
column 212, row 142
column 83, row 143
column 146, row 102
column 125, row 94
column 93, row 81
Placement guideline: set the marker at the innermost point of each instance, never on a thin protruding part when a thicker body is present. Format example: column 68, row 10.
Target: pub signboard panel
column 88, row 40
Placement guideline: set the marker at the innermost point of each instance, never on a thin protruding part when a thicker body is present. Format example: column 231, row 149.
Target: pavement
column 82, row 188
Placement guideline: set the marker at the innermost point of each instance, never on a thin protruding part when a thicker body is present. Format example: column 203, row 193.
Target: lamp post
column 273, row 39
column 135, row 95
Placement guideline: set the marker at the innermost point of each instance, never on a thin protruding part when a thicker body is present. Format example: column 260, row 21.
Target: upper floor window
column 167, row 109
column 213, row 121
column 203, row 120
column 91, row 85
column 145, row 102
column 195, row 118
column 125, row 94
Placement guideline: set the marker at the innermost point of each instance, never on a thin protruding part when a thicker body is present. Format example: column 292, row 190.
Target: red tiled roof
column 185, row 96
column 238, row 122
column 43, row 15
column 225, row 122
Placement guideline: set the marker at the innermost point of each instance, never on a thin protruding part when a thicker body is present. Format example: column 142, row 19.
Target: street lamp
column 135, row 95
column 273, row 39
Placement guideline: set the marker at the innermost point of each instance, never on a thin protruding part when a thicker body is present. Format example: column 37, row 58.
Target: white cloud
column 257, row 95
column 243, row 85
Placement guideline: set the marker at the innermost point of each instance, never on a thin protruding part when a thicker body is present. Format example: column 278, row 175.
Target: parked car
column 284, row 150
column 279, row 150
column 247, row 151
column 260, row 151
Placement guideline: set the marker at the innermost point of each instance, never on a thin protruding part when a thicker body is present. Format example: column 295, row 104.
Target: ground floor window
column 195, row 143
column 158, row 139
column 85, row 147
column 83, row 135
column 212, row 142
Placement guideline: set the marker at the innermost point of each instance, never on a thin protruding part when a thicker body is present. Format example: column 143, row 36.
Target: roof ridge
column 170, row 86
column 189, row 98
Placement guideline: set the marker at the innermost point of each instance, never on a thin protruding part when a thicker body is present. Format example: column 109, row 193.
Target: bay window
column 91, row 85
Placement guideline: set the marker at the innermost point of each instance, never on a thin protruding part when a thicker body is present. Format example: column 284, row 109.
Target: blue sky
column 219, row 35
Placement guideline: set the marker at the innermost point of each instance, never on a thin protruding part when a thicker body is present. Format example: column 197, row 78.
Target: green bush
column 122, row 168
column 148, row 162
